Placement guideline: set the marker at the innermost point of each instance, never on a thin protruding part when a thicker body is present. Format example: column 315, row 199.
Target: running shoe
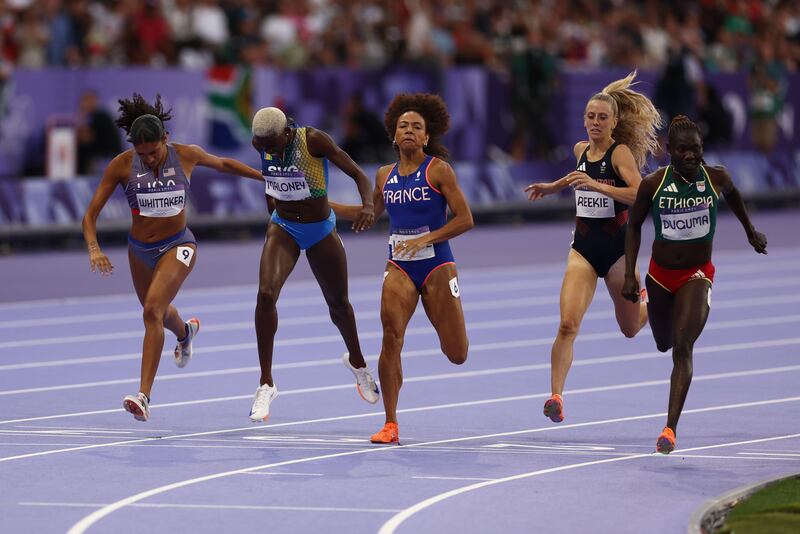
column 365, row 384
column 139, row 406
column 388, row 434
column 554, row 408
column 665, row 443
column 260, row 410
column 183, row 350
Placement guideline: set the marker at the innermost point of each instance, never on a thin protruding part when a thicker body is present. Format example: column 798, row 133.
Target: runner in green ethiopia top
column 685, row 210
column 682, row 199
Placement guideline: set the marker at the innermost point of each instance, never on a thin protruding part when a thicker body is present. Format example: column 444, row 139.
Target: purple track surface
column 477, row 454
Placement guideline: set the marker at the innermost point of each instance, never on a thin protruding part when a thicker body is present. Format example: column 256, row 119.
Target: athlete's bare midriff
column 677, row 255
column 152, row 229
column 304, row 211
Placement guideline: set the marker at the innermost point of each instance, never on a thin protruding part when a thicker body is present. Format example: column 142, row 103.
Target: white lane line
column 419, row 330
column 391, row 525
column 291, row 302
column 794, row 455
column 288, row 474
column 488, row 287
column 452, row 478
column 250, row 289
column 97, row 515
column 738, row 457
column 735, row 262
column 462, row 404
column 219, row 507
column 424, row 352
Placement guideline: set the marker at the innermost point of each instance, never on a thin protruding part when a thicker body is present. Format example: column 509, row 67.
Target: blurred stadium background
column 515, row 74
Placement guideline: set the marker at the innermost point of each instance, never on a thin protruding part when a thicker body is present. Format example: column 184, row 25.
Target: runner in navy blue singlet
column 416, row 192
column 155, row 176
column 621, row 125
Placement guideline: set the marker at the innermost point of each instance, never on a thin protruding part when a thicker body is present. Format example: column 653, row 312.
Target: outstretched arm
column 724, row 183
column 542, row 189
column 112, row 176
column 633, row 235
column 352, row 212
column 321, row 145
column 197, row 155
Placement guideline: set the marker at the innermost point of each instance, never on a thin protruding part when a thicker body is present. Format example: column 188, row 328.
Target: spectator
column 365, row 139
column 98, row 137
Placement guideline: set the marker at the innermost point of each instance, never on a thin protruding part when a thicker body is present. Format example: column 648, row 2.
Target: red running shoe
column 665, row 443
column 554, row 408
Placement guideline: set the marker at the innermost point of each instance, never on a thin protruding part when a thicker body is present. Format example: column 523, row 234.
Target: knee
column 267, row 297
column 153, row 314
column 568, row 327
column 663, row 346
column 338, row 304
column 682, row 349
column 456, row 355
column 629, row 331
column 392, row 340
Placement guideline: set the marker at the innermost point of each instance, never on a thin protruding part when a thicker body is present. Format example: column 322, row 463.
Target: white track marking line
column 220, row 507
column 738, row 457
column 97, row 515
column 736, row 260
column 288, row 474
column 795, row 455
column 390, row 526
column 421, row 330
column 291, row 286
column 451, row 478
column 324, row 319
column 517, row 285
column 514, row 398
column 473, row 348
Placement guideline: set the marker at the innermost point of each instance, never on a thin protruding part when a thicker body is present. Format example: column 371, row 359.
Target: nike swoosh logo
column 140, row 175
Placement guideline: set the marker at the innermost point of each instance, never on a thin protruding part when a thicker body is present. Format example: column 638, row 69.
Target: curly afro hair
column 151, row 127
column 433, row 110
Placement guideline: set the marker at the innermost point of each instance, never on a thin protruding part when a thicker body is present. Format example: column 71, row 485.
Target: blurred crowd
column 722, row 35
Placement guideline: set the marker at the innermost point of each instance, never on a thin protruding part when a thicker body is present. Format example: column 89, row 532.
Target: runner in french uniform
column 161, row 249
column 682, row 199
column 417, row 192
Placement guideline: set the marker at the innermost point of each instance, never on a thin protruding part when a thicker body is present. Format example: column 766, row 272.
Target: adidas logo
column 392, row 180
column 582, row 167
column 671, row 188
column 698, row 273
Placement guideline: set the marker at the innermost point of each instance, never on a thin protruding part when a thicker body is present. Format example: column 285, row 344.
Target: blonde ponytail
column 638, row 120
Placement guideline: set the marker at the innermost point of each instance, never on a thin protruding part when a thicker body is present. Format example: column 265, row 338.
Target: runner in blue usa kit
column 621, row 126
column 416, row 193
column 161, row 249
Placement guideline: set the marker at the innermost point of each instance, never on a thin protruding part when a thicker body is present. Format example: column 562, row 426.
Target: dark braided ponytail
column 144, row 123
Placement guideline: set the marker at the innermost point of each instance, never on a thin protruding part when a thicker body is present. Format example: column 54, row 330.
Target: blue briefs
column 150, row 253
column 306, row 235
column 420, row 270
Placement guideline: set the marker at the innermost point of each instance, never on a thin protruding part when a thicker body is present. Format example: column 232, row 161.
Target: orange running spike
column 665, row 443
column 388, row 434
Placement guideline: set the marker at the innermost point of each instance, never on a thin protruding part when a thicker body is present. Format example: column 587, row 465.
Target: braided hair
column 432, row 109
column 638, row 120
column 681, row 123
column 144, row 123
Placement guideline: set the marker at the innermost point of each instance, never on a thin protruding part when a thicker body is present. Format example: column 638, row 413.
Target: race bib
column 400, row 235
column 161, row 204
column 593, row 205
column 291, row 186
column 683, row 224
